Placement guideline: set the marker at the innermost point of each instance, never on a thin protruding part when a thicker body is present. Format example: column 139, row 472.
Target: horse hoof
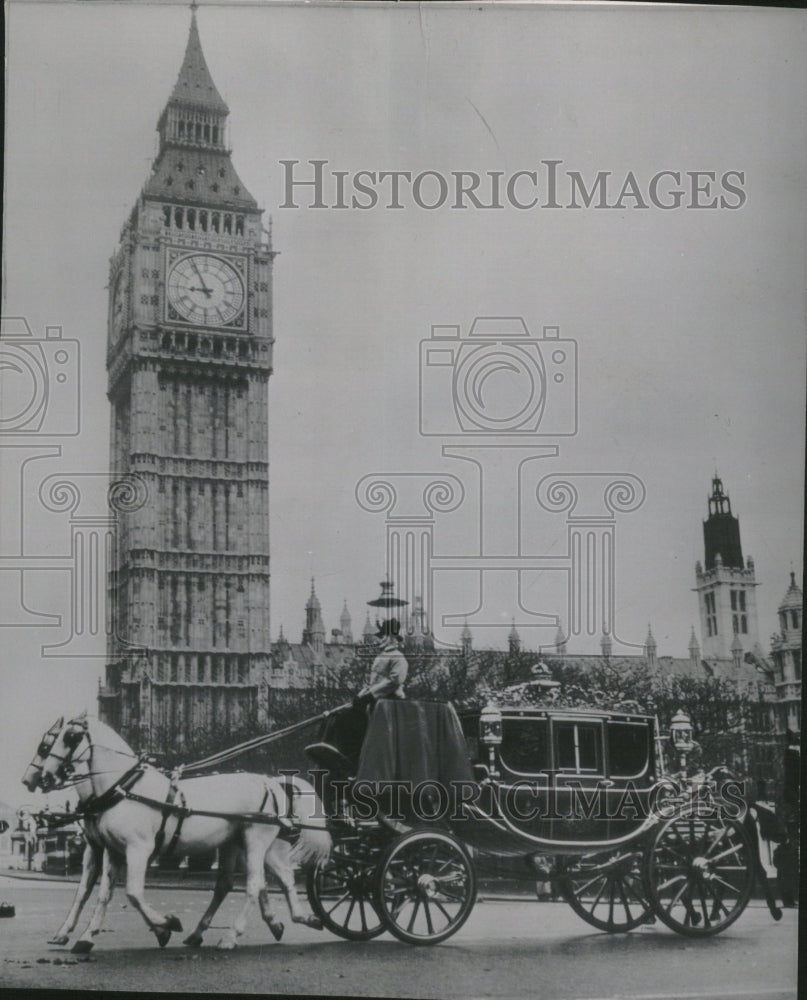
column 172, row 923
column 277, row 930
column 82, row 947
column 59, row 939
column 225, row 945
column 163, row 935
column 193, row 941
column 310, row 921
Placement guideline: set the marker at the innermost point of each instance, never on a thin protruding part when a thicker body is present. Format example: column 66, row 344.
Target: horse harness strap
column 181, row 812
column 114, row 794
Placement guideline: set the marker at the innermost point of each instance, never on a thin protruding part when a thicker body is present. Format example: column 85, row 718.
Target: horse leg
column 224, row 885
column 256, row 845
column 137, row 858
column 109, row 875
column 278, row 857
column 90, row 868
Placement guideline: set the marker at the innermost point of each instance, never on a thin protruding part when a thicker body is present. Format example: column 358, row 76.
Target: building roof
column 199, row 176
column 194, row 84
column 794, row 597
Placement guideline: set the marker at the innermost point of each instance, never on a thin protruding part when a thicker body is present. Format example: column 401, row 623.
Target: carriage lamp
column 490, row 733
column 681, row 736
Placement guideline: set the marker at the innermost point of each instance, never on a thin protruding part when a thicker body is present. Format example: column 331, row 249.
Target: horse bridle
column 75, row 731
column 46, row 744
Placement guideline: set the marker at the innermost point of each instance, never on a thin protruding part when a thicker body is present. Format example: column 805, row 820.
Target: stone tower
column 189, row 355
column 725, row 584
column 314, row 631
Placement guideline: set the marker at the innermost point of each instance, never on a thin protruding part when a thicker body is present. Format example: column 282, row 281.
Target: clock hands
column 204, row 287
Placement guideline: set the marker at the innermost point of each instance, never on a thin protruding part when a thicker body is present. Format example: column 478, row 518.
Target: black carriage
column 574, row 797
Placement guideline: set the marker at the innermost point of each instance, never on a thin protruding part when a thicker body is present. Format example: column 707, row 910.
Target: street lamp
column 681, row 736
column 490, row 734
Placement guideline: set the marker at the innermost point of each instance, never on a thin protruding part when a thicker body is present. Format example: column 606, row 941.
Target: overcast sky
column 689, row 322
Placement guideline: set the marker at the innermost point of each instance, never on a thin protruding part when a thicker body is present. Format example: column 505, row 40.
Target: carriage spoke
column 414, row 914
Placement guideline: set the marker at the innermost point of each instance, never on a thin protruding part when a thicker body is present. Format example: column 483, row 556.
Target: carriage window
column 524, row 745
column 577, row 747
column 628, row 749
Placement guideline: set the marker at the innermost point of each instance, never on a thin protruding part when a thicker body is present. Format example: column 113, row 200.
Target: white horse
column 224, row 811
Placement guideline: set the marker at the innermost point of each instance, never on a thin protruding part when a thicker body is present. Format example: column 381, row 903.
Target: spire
column 514, row 639
column 194, row 84
column 721, row 530
column 314, row 631
column 694, row 648
column 650, row 647
column 346, row 623
column 368, row 633
column 560, row 641
column 466, row 639
column 605, row 642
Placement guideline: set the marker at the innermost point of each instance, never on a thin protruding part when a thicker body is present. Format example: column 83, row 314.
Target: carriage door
column 579, row 769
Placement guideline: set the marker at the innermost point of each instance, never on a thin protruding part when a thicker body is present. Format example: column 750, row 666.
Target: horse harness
column 175, row 805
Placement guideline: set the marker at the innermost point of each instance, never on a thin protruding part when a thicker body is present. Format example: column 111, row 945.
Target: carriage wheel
column 698, row 873
column 606, row 890
column 426, row 887
column 341, row 890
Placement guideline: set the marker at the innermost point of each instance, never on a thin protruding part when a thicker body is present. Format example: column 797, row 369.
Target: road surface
column 508, row 948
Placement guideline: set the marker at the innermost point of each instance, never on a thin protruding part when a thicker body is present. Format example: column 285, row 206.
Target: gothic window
column 794, row 618
column 239, row 224
column 178, row 218
column 221, row 171
column 214, row 218
column 191, row 215
column 167, row 215
column 228, row 223
column 711, row 616
column 215, row 133
column 739, row 620
column 180, row 166
column 203, row 221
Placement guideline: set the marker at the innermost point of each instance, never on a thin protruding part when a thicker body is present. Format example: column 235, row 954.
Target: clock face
column 205, row 289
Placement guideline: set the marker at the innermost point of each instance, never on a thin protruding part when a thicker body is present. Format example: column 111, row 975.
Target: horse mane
column 103, row 734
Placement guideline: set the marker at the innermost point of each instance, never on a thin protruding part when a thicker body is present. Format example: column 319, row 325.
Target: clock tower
column 189, row 355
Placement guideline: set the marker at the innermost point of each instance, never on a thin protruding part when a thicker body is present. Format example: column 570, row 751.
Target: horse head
column 66, row 751
column 33, row 773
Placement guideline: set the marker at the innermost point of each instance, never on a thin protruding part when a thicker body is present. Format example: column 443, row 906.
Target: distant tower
column 694, row 649
column 605, row 643
column 188, row 356
column 726, row 586
column 514, row 640
column 368, row 634
column 346, row 625
column 560, row 642
column 314, row 631
column 466, row 640
column 786, row 655
column 650, row 648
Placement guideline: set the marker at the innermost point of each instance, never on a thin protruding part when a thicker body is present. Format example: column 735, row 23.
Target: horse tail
column 314, row 842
